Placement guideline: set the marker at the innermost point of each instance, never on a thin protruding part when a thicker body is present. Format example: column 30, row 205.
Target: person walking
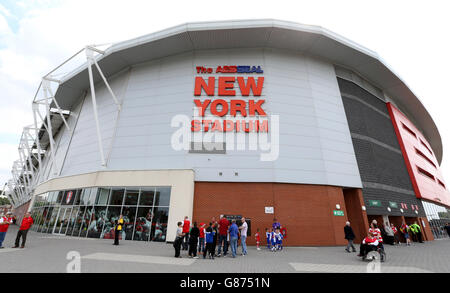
column 186, row 228
column 27, row 221
column 118, row 229
column 178, row 239
column 350, row 236
column 415, row 228
column 5, row 221
column 193, row 239
column 243, row 229
column 223, row 231
column 233, row 231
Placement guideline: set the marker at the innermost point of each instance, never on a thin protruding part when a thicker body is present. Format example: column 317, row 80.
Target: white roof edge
column 259, row 23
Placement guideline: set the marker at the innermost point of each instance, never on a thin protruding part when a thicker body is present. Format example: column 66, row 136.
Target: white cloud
column 6, row 152
column 412, row 36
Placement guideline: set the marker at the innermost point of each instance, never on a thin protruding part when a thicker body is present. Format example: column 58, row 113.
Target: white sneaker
column 258, row 248
column 195, row 257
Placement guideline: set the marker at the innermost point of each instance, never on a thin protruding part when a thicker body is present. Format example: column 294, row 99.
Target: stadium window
column 409, row 130
column 425, row 157
column 424, row 144
column 425, row 173
column 441, row 183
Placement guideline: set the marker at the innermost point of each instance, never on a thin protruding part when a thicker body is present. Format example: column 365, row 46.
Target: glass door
column 62, row 221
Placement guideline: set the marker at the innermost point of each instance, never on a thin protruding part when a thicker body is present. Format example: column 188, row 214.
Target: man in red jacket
column 27, row 221
column 224, row 225
column 5, row 221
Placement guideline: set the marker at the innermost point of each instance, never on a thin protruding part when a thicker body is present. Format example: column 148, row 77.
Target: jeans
column 186, row 241
column 2, row 237
column 350, row 244
column 223, row 238
column 177, row 246
column 233, row 244
column 244, row 245
column 201, row 244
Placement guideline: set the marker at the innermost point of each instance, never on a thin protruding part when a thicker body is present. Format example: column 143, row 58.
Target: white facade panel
column 315, row 146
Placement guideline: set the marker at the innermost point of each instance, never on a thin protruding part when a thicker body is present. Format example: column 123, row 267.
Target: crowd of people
column 8, row 219
column 388, row 234
column 202, row 239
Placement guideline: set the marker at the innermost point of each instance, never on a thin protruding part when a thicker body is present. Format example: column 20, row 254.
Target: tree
column 4, row 201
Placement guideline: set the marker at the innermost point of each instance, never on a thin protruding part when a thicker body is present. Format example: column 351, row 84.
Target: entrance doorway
column 62, row 221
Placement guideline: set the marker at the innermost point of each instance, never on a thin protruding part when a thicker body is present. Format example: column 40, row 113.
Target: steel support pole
column 119, row 107
column 50, row 132
column 57, row 105
column 94, row 104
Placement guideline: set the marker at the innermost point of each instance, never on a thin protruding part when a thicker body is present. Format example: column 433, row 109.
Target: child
column 405, row 229
column 273, row 240
column 268, row 238
column 279, row 240
column 258, row 239
column 209, row 237
column 178, row 239
column 201, row 238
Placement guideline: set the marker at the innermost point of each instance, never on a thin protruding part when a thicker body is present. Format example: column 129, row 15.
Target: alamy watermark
column 74, row 265
column 212, row 133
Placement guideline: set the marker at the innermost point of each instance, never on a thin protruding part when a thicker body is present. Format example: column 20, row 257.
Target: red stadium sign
column 227, row 86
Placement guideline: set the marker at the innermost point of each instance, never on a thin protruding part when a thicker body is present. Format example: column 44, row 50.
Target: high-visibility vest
column 119, row 224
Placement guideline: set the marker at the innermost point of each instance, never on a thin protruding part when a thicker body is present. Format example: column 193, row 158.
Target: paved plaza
column 49, row 253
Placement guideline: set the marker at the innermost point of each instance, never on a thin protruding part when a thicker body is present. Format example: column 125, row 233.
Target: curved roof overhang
column 313, row 40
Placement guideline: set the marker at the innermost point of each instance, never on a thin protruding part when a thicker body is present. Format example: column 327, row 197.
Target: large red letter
column 224, row 110
column 195, row 125
column 224, row 84
column 201, row 84
column 202, row 107
column 237, row 105
column 245, row 88
column 252, row 108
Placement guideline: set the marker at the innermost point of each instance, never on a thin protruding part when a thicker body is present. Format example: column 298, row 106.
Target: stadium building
column 257, row 118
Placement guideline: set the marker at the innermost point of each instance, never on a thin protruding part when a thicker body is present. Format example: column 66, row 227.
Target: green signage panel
column 393, row 205
column 338, row 213
column 375, row 203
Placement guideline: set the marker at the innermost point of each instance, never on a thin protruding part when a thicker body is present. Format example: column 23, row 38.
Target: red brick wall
column 428, row 235
column 357, row 217
column 305, row 210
